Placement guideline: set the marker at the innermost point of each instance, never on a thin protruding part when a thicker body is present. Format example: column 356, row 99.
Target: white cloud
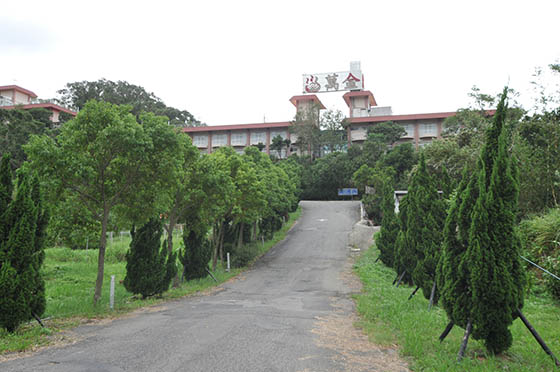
column 236, row 62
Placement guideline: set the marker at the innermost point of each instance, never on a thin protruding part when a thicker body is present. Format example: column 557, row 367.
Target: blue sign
column 347, row 192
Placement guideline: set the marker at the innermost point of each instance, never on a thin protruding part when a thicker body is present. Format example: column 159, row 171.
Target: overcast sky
column 234, row 62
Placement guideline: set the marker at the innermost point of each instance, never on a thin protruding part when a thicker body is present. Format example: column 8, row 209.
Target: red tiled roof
column 51, row 106
column 360, row 93
column 18, row 88
column 216, row 128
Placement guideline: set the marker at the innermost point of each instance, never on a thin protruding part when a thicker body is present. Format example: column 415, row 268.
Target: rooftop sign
column 334, row 81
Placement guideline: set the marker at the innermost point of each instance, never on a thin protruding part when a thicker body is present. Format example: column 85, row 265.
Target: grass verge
column 70, row 283
column 390, row 319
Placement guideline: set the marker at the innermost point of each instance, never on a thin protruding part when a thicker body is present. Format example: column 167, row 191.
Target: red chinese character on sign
column 351, row 81
column 311, row 84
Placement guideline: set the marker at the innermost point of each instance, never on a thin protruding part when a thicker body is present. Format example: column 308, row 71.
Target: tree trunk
column 401, row 278
column 101, row 257
column 222, row 233
column 170, row 228
column 240, row 240
column 432, row 295
column 215, row 241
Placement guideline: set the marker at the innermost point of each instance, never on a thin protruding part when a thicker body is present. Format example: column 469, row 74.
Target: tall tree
column 483, row 280
column 333, row 132
column 78, row 93
column 426, row 215
column 307, row 132
column 16, row 126
column 387, row 236
column 21, row 255
column 103, row 157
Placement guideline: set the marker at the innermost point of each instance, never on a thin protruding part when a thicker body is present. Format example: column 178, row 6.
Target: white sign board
column 333, row 82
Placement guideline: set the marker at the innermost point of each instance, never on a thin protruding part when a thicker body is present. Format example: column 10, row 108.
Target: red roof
column 361, row 93
column 19, row 89
column 216, row 128
column 51, row 106
column 307, row 97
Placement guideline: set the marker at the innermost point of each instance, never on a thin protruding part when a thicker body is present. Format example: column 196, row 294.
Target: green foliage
column 326, row 175
column 106, row 159
column 389, row 319
column 540, row 236
column 378, row 178
column 426, row 214
column 405, row 261
column 305, row 127
column 387, row 236
column 16, row 127
column 538, row 150
column 21, row 253
column 333, row 134
column 6, row 187
column 149, row 269
column 481, row 276
column 78, row 93
column 196, row 254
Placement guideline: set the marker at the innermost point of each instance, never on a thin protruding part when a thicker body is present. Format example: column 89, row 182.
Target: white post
column 112, row 293
column 228, row 267
column 111, row 235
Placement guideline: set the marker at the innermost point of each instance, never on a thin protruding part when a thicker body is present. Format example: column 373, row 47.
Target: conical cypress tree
column 387, row 236
column 17, row 270
column 146, row 264
column 196, row 254
column 445, row 183
column 426, row 216
column 404, row 251
column 38, row 302
column 453, row 275
column 6, row 190
column 497, row 280
column 170, row 268
column 482, row 277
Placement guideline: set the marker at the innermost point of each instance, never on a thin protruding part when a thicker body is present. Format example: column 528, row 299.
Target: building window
column 409, row 128
column 428, row 130
column 258, row 137
column 239, row 139
column 278, row 133
column 200, row 140
column 219, row 139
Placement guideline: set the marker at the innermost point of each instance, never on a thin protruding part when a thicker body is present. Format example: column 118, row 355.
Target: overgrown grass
column 390, row 319
column 70, row 282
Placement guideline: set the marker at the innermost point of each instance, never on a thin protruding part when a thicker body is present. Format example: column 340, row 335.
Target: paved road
column 291, row 312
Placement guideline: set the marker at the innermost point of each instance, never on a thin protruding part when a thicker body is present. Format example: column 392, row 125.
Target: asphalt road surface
column 291, row 312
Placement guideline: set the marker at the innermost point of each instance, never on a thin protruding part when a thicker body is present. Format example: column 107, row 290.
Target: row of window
column 424, row 130
column 237, row 138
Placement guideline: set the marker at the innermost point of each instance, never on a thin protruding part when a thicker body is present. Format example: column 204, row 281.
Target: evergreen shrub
column 149, row 269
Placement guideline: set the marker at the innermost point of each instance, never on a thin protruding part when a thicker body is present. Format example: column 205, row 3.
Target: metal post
column 228, row 267
column 112, row 293
column 87, row 243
